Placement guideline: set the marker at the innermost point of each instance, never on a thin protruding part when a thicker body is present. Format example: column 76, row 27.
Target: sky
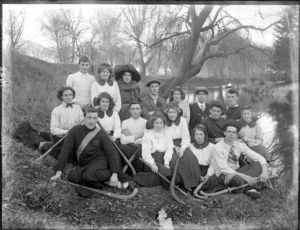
column 35, row 12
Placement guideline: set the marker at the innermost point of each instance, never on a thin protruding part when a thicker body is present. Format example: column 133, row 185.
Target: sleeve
column 259, row 134
column 55, row 126
column 219, row 161
column 252, row 155
column 169, row 151
column 94, row 92
column 185, row 134
column 126, row 139
column 188, row 113
column 146, row 148
column 117, row 125
column 110, row 152
column 80, row 116
column 118, row 97
column 211, row 170
column 70, row 81
column 66, row 150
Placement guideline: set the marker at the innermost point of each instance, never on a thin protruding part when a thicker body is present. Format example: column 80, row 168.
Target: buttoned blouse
column 111, row 123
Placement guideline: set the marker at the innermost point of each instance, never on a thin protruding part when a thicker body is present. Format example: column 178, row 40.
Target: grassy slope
column 30, row 202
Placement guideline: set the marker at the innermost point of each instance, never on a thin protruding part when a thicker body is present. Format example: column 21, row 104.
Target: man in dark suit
column 152, row 102
column 200, row 109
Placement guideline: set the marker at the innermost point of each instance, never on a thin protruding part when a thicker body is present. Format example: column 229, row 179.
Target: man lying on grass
column 226, row 159
column 95, row 154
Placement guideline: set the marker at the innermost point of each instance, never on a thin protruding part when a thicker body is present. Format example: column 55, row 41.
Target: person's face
column 202, row 97
column 90, row 120
column 158, row 124
column 154, row 87
column 105, row 74
column 104, row 104
column 135, row 110
column 172, row 114
column 199, row 137
column 67, row 96
column 232, row 99
column 247, row 116
column 215, row 113
column 230, row 133
column 177, row 96
column 84, row 67
column 127, row 77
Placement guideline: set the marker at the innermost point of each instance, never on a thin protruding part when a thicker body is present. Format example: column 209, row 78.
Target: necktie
column 232, row 155
column 202, row 107
column 69, row 105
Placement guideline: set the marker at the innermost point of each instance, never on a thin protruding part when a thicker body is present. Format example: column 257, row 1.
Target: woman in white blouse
column 157, row 146
column 108, row 117
column 251, row 132
column 64, row 116
column 188, row 169
column 202, row 149
column 105, row 84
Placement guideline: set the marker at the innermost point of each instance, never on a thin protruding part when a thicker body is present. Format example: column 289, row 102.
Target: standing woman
column 105, row 84
column 127, row 77
column 188, row 169
column 107, row 116
column 251, row 132
column 178, row 95
column 64, row 116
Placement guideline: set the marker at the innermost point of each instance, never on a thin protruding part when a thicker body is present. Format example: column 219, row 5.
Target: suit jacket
column 197, row 115
column 149, row 106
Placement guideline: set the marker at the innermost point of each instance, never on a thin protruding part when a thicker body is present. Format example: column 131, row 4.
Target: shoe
column 132, row 185
column 253, row 194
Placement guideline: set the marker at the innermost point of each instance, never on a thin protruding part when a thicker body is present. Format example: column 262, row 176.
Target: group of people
column 218, row 146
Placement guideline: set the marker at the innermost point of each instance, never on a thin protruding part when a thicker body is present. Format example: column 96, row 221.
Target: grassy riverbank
column 30, row 202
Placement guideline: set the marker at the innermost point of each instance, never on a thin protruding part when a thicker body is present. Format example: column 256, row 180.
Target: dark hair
column 232, row 123
column 90, row 109
column 217, row 104
column 84, row 59
column 177, row 88
column 233, row 91
column 62, row 90
column 135, row 103
column 105, row 95
column 201, row 128
column 154, row 117
column 172, row 105
column 103, row 66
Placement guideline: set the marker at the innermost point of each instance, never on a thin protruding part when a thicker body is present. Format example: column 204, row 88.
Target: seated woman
column 105, row 84
column 127, row 77
column 202, row 149
column 188, row 169
column 157, row 151
column 64, row 117
column 108, row 117
column 178, row 95
column 251, row 133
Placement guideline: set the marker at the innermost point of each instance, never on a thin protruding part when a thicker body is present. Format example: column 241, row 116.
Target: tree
column 286, row 33
column 14, row 28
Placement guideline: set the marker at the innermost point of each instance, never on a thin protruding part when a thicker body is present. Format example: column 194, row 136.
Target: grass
column 30, row 202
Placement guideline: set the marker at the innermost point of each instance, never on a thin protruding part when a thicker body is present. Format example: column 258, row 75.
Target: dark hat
column 121, row 69
column 201, row 89
column 232, row 122
column 152, row 81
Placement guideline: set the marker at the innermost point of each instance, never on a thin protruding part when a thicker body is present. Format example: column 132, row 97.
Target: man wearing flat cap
column 200, row 109
column 153, row 102
column 225, row 158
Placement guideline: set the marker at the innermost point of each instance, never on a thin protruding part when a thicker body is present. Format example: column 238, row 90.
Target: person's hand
column 250, row 180
column 126, row 132
column 264, row 174
column 250, row 144
column 180, row 153
column 154, row 168
column 224, row 116
column 205, row 178
column 113, row 138
column 167, row 166
column 56, row 176
column 138, row 141
column 113, row 181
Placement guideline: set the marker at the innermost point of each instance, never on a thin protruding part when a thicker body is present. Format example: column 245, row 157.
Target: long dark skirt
column 188, row 169
column 147, row 178
column 212, row 185
column 262, row 150
column 253, row 169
